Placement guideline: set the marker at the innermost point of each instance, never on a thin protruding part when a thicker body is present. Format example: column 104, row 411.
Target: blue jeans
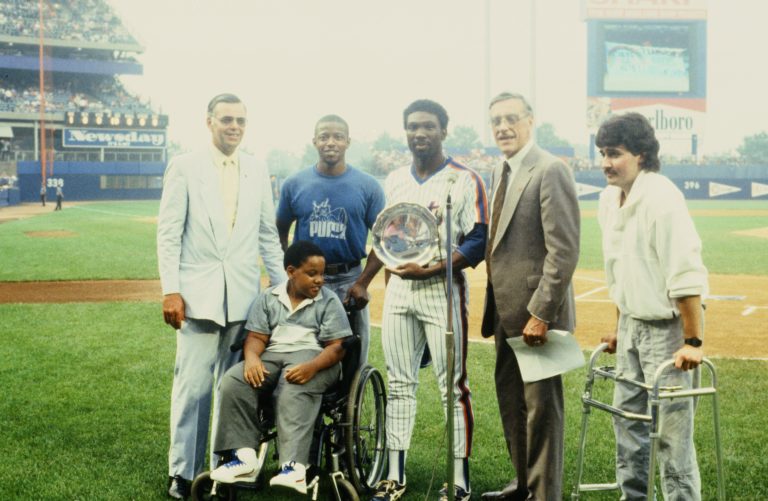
column 642, row 346
column 340, row 284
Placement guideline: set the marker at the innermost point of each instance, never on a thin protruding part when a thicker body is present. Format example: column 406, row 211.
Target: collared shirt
column 516, row 161
column 514, row 165
column 651, row 248
column 228, row 168
column 305, row 327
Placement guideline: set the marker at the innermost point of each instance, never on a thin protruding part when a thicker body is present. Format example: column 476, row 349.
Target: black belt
column 335, row 269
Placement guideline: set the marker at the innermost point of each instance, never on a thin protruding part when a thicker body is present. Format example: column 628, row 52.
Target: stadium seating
column 85, row 20
column 94, row 93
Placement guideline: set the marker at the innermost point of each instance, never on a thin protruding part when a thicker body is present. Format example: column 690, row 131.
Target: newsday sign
column 114, row 138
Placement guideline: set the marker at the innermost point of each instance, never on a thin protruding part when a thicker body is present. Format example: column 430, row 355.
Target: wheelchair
column 349, row 441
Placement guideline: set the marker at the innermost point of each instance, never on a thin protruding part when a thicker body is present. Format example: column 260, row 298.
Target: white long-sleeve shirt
column 651, row 249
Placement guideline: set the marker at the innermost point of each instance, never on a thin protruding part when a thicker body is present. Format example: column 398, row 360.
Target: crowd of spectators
column 80, row 93
column 578, row 163
column 76, row 20
column 383, row 162
column 68, row 53
column 5, row 149
column 7, row 182
column 386, row 161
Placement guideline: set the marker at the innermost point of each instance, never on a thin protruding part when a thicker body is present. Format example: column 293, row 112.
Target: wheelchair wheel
column 345, row 491
column 205, row 489
column 365, row 437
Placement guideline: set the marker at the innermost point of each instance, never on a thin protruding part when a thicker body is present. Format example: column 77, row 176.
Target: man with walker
column 656, row 278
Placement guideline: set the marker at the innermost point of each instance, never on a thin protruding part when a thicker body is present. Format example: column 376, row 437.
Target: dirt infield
column 704, row 212
column 50, row 234
column 757, row 232
column 26, row 210
column 736, row 321
column 80, row 291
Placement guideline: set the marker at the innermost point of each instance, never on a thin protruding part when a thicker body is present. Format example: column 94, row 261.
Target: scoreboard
column 649, row 56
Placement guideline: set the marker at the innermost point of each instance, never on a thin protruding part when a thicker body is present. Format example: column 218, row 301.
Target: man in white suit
column 216, row 218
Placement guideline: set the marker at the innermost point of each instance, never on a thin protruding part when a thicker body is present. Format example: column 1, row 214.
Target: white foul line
column 111, row 213
column 589, row 279
column 589, row 293
column 751, row 309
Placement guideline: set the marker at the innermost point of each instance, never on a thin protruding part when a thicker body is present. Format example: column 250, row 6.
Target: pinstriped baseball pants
column 415, row 313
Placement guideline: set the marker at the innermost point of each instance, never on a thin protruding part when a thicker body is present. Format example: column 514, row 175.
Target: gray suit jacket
column 536, row 248
column 196, row 254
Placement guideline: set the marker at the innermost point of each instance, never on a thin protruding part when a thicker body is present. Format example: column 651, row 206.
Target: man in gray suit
column 533, row 247
column 216, row 218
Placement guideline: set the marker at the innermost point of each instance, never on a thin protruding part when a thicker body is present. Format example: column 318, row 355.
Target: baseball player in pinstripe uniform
column 415, row 309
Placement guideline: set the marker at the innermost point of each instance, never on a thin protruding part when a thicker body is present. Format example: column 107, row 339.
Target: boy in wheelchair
column 293, row 349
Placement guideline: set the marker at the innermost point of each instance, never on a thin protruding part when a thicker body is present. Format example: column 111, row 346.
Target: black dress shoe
column 508, row 493
column 502, row 496
column 178, row 487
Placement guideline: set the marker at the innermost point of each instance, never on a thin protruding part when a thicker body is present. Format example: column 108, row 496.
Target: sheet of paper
column 560, row 354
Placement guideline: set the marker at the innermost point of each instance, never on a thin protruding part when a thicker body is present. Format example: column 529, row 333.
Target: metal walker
column 656, row 395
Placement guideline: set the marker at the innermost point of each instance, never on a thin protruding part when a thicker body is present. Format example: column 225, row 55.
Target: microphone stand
column 450, row 350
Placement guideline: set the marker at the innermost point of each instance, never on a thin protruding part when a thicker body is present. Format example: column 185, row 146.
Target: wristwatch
column 693, row 341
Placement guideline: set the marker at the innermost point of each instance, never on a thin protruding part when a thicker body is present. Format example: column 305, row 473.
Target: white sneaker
column 234, row 471
column 293, row 476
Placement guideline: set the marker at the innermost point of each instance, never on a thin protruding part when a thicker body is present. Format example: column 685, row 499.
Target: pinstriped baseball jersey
column 469, row 207
column 469, row 202
column 415, row 311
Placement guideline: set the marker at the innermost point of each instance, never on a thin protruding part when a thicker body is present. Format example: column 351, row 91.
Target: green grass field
column 108, row 241
column 116, row 240
column 86, row 387
column 723, row 250
column 86, row 395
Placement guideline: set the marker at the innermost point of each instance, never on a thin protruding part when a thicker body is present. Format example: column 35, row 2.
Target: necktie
column 498, row 205
column 229, row 187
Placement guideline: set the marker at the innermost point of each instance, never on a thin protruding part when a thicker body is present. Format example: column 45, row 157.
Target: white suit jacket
column 196, row 254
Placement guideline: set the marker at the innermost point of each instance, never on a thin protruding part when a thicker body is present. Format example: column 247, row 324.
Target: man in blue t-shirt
column 334, row 205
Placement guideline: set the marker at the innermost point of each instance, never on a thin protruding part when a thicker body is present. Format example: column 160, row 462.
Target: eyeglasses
column 227, row 120
column 511, row 120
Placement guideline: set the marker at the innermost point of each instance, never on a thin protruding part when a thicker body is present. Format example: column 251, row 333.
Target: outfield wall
column 143, row 180
column 697, row 182
column 93, row 180
column 9, row 197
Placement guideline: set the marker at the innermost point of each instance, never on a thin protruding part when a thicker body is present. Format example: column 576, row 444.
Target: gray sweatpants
column 296, row 406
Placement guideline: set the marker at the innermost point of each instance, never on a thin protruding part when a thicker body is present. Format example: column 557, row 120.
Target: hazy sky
column 292, row 61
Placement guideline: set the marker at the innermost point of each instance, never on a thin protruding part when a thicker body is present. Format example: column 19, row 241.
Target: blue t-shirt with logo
column 334, row 212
